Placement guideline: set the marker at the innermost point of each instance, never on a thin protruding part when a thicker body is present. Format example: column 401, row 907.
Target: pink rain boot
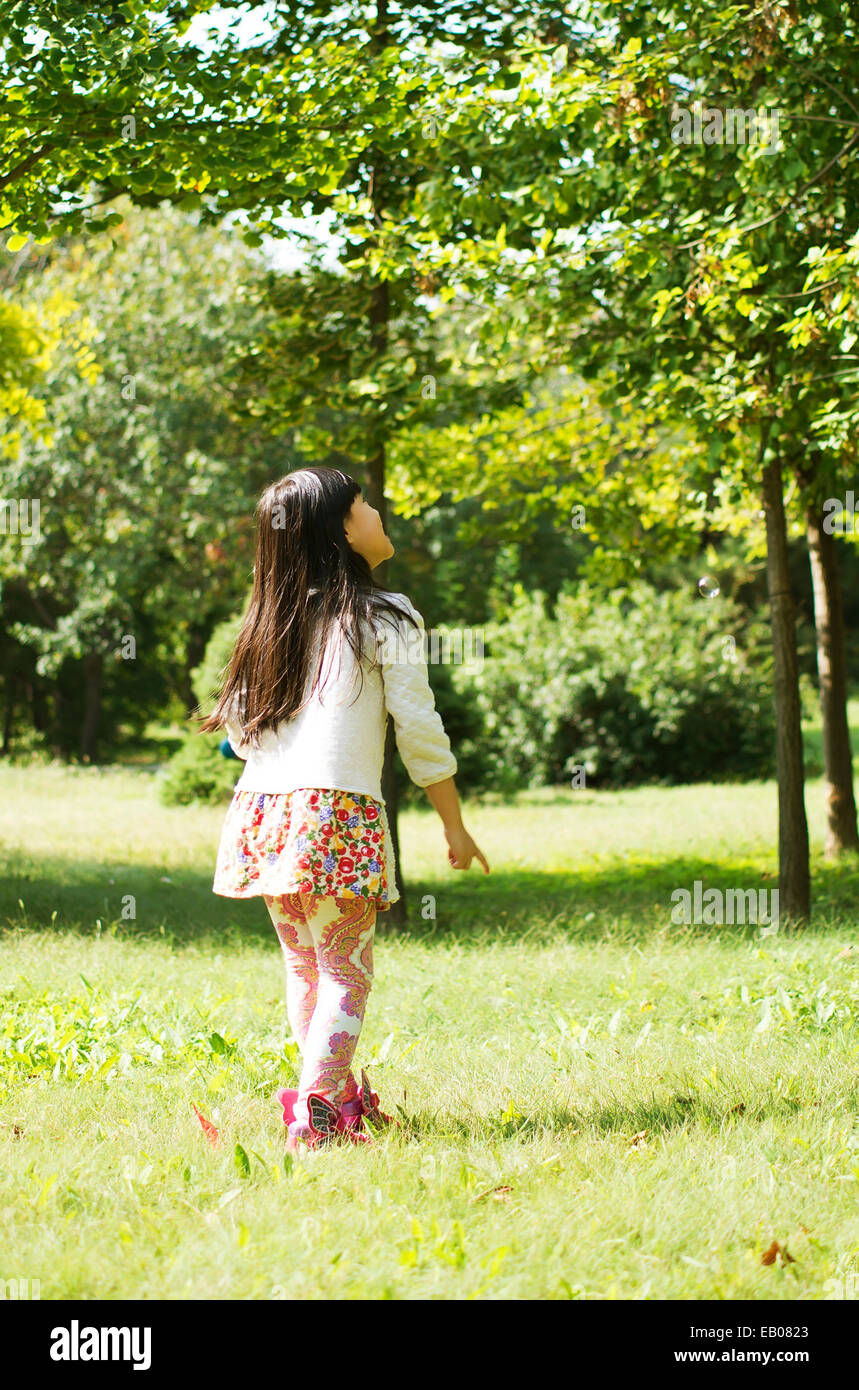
column 287, row 1099
column 351, row 1111
column 325, row 1126
column 366, row 1102
column 369, row 1103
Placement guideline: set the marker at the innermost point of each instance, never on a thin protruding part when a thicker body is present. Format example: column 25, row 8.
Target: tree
column 473, row 145
column 147, row 483
column 320, row 117
column 678, row 266
column 832, row 680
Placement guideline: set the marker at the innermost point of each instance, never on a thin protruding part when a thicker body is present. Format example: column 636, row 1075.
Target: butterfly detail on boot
column 370, row 1105
column 323, row 1115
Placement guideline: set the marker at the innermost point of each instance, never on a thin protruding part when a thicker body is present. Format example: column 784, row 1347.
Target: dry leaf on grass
column 209, row 1130
column 770, row 1256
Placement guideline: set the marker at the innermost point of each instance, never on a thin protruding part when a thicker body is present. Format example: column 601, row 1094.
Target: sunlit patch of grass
column 594, row 1101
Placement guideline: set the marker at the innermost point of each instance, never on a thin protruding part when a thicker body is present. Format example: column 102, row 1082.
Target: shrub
column 208, row 676
column 199, row 771
column 637, row 687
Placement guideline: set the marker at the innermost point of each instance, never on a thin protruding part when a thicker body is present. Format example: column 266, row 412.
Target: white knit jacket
column 337, row 740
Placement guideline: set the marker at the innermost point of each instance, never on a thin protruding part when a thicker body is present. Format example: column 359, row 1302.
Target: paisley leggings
column 327, row 947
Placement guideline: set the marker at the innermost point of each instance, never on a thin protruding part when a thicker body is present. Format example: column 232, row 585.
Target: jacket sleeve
column 421, row 739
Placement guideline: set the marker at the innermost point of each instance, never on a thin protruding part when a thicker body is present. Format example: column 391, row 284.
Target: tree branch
column 25, row 165
column 754, row 226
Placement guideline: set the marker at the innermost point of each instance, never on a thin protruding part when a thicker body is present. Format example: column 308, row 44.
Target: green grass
column 596, row 1103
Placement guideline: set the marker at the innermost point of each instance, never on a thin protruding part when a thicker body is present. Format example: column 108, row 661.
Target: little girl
column 306, row 829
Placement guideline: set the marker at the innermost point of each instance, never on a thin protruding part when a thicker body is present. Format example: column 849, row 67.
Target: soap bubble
column 708, row 587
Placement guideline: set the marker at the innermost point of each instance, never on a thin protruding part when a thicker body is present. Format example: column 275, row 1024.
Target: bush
column 639, row 687
column 199, row 771
column 209, row 675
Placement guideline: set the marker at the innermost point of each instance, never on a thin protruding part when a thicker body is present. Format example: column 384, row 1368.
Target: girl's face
column 366, row 534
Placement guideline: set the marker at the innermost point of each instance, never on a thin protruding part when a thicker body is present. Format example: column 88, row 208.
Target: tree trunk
column 38, row 712
column 379, row 317
column 794, row 878
column 92, row 707
column 62, row 723
column 841, row 830
column 8, row 714
column 396, row 914
column 194, row 653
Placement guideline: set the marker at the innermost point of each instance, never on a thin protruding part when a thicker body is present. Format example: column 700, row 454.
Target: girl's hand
column 462, row 849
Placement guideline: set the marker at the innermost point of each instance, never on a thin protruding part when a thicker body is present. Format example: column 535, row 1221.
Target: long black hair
column 306, row 577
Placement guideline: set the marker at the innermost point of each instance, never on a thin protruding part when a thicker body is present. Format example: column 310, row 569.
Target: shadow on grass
column 630, row 898
column 676, row 1113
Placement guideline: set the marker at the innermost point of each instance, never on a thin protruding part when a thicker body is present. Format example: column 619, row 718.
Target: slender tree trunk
column 379, row 317
column 92, row 707
column 379, row 310
column 396, row 914
column 8, row 714
column 62, row 723
column 194, row 654
column 841, row 831
column 37, row 707
column 794, row 877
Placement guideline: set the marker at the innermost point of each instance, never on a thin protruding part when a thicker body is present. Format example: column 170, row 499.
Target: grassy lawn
column 597, row 1103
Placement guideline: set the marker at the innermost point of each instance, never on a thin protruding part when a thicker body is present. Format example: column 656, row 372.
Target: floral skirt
column 319, row 841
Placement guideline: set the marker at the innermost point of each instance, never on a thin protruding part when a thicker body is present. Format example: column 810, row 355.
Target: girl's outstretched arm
column 421, row 739
column 461, row 847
